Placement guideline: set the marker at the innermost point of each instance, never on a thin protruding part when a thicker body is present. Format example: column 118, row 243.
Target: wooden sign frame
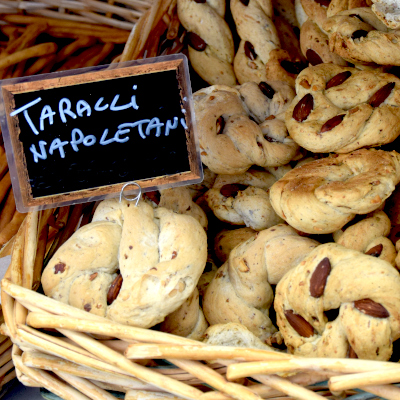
column 16, row 153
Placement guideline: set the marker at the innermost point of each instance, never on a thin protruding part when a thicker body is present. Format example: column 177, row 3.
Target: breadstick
column 8, row 210
column 39, row 64
column 106, row 49
column 12, row 227
column 34, row 51
column 5, row 184
column 80, row 60
column 66, row 51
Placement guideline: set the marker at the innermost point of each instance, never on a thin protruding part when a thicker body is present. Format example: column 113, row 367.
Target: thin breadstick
column 66, row 51
column 85, row 387
column 38, row 50
column 6, row 250
column 27, row 38
column 12, row 227
column 8, row 210
column 30, row 247
column 203, row 352
column 104, row 36
column 39, row 64
column 139, row 394
column 98, row 58
column 5, row 184
column 52, row 384
column 79, row 60
column 19, row 69
column 377, row 377
column 389, row 392
column 295, row 364
column 48, row 362
column 173, row 27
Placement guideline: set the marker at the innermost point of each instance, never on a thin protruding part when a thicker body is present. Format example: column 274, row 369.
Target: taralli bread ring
column 230, row 141
column 211, row 48
column 241, row 289
column 160, row 256
column 341, row 109
column 359, row 36
column 243, row 199
column 323, row 195
column 369, row 236
column 316, row 10
column 339, row 303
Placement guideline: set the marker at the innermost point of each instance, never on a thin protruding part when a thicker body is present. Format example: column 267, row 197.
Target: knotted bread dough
column 241, row 289
column 160, row 256
column 322, row 196
column 359, row 293
column 341, row 109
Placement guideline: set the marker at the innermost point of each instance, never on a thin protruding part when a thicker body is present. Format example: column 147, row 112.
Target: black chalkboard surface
column 85, row 135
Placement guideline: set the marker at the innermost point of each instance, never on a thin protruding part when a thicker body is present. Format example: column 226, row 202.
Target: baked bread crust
column 160, row 255
column 241, row 289
column 363, row 289
column 388, row 12
column 213, row 62
column 243, row 199
column 348, row 109
column 323, row 195
column 230, row 141
column 359, row 36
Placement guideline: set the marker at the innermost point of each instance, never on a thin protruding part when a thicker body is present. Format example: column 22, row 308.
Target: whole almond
column 338, row 79
column 319, row 278
column 292, row 67
column 232, row 189
column 299, row 324
column 332, row 123
column 114, row 289
column 249, row 51
column 371, row 308
column 196, row 42
column 303, row 108
column 313, row 58
column 220, row 125
column 266, row 89
column 375, row 251
column 381, row 95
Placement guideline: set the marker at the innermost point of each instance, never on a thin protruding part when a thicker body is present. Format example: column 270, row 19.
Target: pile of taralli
column 276, row 277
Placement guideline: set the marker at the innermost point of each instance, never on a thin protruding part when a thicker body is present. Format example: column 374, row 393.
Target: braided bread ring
column 206, row 20
column 364, row 40
column 344, row 116
column 364, row 289
column 323, row 195
column 230, row 141
column 241, row 292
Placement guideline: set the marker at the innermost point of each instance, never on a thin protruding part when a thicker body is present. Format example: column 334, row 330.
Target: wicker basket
column 77, row 355
column 90, row 355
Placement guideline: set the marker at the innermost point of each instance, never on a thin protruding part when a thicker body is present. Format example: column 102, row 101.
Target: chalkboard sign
column 77, row 136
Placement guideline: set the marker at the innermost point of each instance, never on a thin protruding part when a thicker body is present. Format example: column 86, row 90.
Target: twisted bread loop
column 339, row 302
column 160, row 255
column 369, row 236
column 244, row 199
column 359, row 36
column 336, row 6
column 323, row 195
column 341, row 109
column 316, row 10
column 211, row 48
column 241, row 292
column 230, row 141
